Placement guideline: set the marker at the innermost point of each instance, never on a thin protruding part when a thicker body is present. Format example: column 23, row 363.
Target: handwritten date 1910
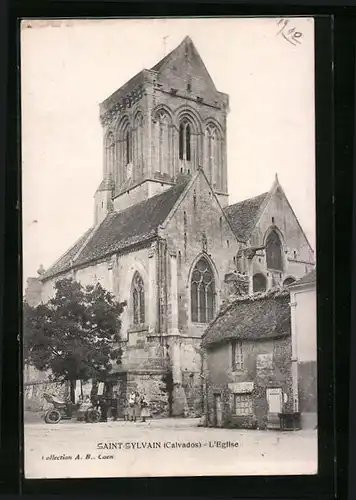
column 289, row 32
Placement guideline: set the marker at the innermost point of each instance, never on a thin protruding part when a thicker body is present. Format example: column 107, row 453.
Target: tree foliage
column 73, row 335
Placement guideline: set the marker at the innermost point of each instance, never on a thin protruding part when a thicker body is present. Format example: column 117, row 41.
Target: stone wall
column 219, row 373
column 33, row 399
column 152, row 385
column 298, row 257
column 198, row 217
column 304, row 335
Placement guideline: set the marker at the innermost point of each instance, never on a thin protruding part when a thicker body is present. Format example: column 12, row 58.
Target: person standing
column 104, row 409
column 137, row 406
column 115, row 406
column 144, row 408
column 131, row 405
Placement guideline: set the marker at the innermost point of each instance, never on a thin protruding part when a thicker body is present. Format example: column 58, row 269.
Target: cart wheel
column 52, row 416
column 93, row 416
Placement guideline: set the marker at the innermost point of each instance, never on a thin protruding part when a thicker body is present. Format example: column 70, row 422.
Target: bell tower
column 164, row 122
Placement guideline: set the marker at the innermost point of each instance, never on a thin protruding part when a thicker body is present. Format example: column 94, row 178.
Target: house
column 247, row 362
column 165, row 238
column 304, row 347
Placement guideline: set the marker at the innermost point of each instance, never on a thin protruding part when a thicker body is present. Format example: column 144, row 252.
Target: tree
column 74, row 334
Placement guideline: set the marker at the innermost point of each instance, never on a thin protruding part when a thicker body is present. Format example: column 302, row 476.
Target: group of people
column 136, row 407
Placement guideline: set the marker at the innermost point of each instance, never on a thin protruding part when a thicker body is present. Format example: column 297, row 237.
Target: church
column 165, row 238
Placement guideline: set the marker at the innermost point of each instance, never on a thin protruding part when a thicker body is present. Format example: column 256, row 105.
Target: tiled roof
column 308, row 278
column 243, row 216
column 120, row 230
column 65, row 262
column 264, row 316
column 157, row 67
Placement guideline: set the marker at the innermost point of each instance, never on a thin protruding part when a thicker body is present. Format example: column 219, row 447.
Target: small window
column 259, row 283
column 295, row 254
column 272, row 220
column 189, row 87
column 243, row 404
column 237, row 356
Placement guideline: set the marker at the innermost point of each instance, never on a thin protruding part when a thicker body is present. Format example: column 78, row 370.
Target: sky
column 68, row 67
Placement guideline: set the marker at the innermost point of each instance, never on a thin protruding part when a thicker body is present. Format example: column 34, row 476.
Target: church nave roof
column 119, row 230
column 243, row 215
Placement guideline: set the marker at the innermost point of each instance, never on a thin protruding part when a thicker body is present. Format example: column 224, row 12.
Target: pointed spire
column 276, row 177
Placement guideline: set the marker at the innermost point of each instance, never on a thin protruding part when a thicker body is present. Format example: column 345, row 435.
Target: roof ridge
column 85, row 242
column 275, row 293
column 119, row 230
column 43, row 276
column 238, row 319
column 247, row 199
column 171, row 188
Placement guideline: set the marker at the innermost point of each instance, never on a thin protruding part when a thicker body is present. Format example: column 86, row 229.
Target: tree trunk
column 73, row 384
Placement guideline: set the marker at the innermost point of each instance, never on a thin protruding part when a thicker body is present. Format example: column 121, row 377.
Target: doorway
column 274, row 400
column 274, row 407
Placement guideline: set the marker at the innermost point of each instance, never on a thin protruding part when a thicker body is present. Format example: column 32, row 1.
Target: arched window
column 164, row 142
column 202, row 293
column 214, row 156
column 185, row 141
column 138, row 145
column 288, row 281
column 138, row 299
column 110, row 153
column 123, row 151
column 128, row 146
column 274, row 252
column 259, row 282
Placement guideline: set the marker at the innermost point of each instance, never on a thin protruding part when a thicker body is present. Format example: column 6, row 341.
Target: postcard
column 169, row 271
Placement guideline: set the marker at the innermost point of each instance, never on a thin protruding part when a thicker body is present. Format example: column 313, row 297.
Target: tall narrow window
column 185, row 141
column 138, row 299
column 138, row 146
column 214, row 156
column 163, row 142
column 110, row 153
column 181, row 141
column 237, row 356
column 128, row 146
column 202, row 293
column 274, row 252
